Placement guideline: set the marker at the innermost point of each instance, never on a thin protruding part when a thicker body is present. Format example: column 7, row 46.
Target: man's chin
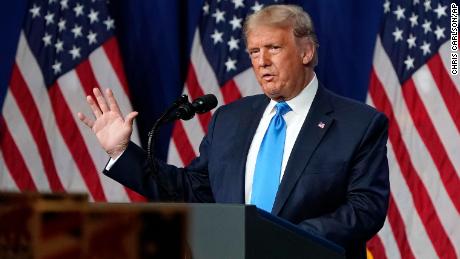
column 275, row 96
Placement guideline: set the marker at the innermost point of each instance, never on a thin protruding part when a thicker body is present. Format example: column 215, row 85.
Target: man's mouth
column 268, row 77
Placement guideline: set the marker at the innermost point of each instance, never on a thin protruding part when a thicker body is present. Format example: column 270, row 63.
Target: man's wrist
column 116, row 152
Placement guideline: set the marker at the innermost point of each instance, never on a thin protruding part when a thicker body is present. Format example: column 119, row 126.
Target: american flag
column 412, row 84
column 220, row 65
column 65, row 49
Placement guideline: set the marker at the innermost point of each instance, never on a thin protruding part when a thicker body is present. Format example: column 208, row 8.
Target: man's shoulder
column 349, row 107
column 245, row 103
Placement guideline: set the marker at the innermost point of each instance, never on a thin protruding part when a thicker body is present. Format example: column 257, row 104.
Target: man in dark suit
column 298, row 151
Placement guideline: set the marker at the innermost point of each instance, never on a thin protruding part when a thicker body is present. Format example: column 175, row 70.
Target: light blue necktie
column 268, row 165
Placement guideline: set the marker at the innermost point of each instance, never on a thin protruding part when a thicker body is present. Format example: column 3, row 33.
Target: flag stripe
column 388, row 241
column 195, row 91
column 88, row 81
column 183, row 145
column 86, row 77
column 31, row 115
column 230, row 92
column 32, row 75
column 173, row 155
column 74, row 141
column 58, row 151
column 410, row 223
column 109, row 76
column 22, row 137
column 204, row 73
column 109, row 73
column 444, row 53
column 398, row 228
column 111, row 50
column 431, row 139
column 14, row 160
column 6, row 181
column 422, row 201
column 447, row 88
column 438, row 112
column 194, row 131
column 376, row 247
column 422, row 161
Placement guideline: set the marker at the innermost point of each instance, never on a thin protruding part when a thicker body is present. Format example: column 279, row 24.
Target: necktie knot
column 282, row 108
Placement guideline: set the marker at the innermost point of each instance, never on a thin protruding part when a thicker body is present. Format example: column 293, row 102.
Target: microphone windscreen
column 204, row 103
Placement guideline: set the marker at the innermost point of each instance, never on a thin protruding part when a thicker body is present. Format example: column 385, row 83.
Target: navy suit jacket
column 335, row 183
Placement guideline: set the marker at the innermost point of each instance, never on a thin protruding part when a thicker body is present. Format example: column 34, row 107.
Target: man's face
column 279, row 60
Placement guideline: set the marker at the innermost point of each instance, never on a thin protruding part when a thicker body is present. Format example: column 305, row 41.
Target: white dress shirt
column 300, row 106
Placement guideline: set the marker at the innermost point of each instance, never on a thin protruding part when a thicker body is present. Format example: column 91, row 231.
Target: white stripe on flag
column 107, row 78
column 26, row 144
column 420, row 157
column 445, row 51
column 389, row 244
column 194, row 130
column 439, row 115
column 65, row 165
column 204, row 72
column 6, row 182
column 416, row 235
column 173, row 155
column 74, row 96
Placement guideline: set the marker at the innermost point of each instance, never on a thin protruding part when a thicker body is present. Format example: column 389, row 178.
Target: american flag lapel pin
column 321, row 124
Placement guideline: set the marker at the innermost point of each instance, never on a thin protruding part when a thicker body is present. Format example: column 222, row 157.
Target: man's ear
column 308, row 53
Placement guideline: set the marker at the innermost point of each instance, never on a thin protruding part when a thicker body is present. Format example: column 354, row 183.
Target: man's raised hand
column 111, row 129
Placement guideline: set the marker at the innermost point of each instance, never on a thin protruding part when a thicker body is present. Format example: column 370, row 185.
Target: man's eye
column 275, row 49
column 253, row 53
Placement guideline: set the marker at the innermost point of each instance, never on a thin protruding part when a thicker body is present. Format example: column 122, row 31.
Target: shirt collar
column 302, row 102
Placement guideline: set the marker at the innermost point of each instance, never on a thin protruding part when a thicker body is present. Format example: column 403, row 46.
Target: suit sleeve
column 364, row 210
column 168, row 182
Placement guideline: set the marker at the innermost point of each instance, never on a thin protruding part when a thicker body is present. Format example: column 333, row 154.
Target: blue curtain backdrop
column 155, row 39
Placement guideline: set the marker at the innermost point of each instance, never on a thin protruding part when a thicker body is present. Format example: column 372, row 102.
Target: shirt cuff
column 112, row 161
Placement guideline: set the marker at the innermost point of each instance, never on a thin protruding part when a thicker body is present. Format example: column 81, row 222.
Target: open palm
column 111, row 129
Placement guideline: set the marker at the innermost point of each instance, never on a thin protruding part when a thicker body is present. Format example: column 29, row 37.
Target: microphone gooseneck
column 180, row 109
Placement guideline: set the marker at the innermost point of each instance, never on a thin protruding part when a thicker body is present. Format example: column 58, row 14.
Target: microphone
column 187, row 110
column 180, row 109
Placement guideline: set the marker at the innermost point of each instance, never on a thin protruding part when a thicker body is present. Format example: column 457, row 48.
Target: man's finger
column 130, row 117
column 100, row 100
column 113, row 104
column 87, row 121
column 94, row 107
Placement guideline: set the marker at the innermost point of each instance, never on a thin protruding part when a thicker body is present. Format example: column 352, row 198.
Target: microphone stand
column 153, row 133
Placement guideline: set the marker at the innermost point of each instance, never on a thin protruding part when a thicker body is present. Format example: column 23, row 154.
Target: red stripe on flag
column 134, row 196
column 422, row 201
column 112, row 51
column 448, row 91
column 88, row 81
column 432, row 141
column 14, row 160
column 196, row 91
column 29, row 111
column 376, row 248
column 74, row 140
column 183, row 145
column 87, row 78
column 230, row 91
column 399, row 229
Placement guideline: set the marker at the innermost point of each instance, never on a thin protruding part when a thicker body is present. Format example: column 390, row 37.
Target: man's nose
column 264, row 59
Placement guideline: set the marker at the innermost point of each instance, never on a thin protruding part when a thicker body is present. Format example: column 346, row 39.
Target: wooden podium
column 67, row 226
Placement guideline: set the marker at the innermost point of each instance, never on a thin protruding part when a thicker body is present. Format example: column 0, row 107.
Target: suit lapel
column 246, row 130
column 313, row 130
